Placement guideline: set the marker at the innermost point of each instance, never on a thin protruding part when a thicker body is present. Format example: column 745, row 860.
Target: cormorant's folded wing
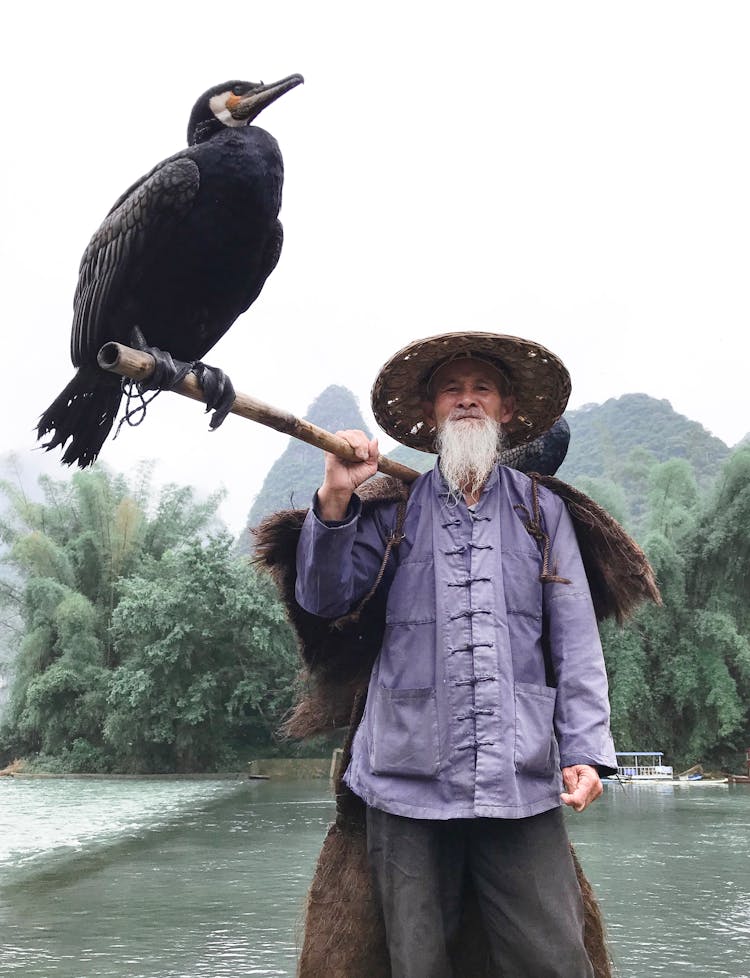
column 142, row 218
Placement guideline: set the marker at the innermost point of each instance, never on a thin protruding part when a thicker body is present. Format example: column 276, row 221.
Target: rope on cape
column 393, row 541
column 533, row 526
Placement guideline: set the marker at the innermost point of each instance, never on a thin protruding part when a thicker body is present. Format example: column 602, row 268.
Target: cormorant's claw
column 168, row 372
column 218, row 389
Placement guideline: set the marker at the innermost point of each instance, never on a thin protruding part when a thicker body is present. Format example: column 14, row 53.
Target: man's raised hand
column 342, row 477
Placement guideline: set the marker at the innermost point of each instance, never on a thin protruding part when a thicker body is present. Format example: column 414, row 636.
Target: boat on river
column 643, row 765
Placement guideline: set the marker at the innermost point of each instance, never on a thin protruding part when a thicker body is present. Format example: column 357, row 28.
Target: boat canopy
column 639, row 753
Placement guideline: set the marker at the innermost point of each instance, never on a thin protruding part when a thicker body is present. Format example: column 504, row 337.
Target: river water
column 185, row 879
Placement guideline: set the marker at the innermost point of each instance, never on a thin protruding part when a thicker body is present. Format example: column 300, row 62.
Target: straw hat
column 538, row 380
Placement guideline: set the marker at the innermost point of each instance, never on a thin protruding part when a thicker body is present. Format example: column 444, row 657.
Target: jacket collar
column 442, row 491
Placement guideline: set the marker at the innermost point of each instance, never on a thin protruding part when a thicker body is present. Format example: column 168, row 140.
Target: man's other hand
column 582, row 786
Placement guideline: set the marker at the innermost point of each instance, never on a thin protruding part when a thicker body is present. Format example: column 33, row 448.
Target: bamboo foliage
column 144, row 642
column 680, row 675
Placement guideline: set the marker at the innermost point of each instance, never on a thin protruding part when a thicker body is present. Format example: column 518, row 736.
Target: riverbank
column 277, row 768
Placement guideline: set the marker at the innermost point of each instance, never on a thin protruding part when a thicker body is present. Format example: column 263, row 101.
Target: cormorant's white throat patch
column 218, row 105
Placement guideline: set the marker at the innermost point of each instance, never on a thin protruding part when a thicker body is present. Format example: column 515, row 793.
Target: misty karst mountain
column 297, row 473
column 614, row 445
column 602, row 436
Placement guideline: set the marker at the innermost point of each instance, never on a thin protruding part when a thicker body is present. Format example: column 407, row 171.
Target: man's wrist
column 333, row 503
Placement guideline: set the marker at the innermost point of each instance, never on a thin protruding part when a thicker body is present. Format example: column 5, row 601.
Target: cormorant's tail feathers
column 84, row 413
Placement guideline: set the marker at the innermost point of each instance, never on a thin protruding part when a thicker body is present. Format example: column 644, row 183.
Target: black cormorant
column 544, row 454
column 181, row 254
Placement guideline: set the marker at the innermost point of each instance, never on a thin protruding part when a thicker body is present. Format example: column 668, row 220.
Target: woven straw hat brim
column 539, row 379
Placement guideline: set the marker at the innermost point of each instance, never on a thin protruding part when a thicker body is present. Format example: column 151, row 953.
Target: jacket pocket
column 536, row 750
column 403, row 732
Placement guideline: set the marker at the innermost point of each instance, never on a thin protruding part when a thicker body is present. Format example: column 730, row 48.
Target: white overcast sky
column 572, row 172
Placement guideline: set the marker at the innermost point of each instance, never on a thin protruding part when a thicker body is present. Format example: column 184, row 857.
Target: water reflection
column 216, row 889
column 178, row 879
column 670, row 864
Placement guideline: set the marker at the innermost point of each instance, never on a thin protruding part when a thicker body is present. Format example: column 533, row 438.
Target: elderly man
column 489, row 694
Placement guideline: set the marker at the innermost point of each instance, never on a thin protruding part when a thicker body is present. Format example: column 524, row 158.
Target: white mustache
column 460, row 414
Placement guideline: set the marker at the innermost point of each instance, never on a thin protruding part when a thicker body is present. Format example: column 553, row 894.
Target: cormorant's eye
column 238, row 90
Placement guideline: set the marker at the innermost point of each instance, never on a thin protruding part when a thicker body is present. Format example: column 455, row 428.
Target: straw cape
column 538, row 381
column 344, row 935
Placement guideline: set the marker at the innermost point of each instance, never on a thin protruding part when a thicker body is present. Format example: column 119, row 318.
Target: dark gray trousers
column 522, row 873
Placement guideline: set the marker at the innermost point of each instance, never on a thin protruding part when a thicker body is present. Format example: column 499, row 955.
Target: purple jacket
column 487, row 682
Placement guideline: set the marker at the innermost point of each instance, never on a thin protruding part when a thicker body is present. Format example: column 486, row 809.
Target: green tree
column 673, row 499
column 113, row 589
column 609, row 495
column 207, row 657
column 719, row 554
column 680, row 675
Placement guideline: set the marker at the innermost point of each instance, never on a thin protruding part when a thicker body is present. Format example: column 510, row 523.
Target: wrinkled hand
column 582, row 786
column 342, row 477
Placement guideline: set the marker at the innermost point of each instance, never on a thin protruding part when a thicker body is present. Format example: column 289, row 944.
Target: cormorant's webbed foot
column 168, row 373
column 218, row 389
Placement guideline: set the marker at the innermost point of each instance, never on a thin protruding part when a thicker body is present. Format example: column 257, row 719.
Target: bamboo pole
column 127, row 362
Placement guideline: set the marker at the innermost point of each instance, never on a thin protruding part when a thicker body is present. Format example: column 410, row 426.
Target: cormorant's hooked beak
column 247, row 107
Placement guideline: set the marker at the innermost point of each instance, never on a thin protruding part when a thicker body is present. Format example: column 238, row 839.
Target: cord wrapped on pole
column 127, row 362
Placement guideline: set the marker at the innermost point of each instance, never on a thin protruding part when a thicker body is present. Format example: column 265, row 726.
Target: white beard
column 469, row 448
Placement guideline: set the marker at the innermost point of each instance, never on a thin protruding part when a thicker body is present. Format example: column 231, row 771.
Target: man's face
column 467, row 389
